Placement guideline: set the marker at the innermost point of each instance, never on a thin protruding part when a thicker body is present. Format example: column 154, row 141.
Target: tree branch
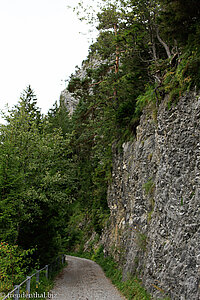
column 163, row 43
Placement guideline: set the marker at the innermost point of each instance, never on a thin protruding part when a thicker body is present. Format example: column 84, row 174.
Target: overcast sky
column 40, row 45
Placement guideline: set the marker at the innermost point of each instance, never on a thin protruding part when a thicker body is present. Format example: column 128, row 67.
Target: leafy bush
column 14, row 264
column 144, row 99
column 184, row 77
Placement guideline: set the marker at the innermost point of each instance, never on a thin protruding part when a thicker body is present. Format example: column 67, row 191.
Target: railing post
column 47, row 269
column 28, row 285
column 16, row 292
column 63, row 259
column 59, row 262
column 37, row 279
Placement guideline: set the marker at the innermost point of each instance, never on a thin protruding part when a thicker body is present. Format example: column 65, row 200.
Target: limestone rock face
column 67, row 98
column 154, row 199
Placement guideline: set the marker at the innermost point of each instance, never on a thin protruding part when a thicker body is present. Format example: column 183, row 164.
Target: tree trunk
column 117, row 53
column 163, row 43
column 116, row 66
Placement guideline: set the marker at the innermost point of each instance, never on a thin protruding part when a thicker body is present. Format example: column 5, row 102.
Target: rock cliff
column 154, row 199
column 67, row 98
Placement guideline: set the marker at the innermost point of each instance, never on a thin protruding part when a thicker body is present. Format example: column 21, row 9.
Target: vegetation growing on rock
column 55, row 169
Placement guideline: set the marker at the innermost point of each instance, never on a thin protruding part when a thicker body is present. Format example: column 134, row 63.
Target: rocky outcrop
column 154, row 199
column 70, row 102
column 66, row 98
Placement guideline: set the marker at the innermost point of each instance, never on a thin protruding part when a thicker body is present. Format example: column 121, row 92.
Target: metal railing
column 15, row 293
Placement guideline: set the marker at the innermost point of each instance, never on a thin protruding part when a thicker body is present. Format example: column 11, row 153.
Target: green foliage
column 14, row 264
column 184, row 77
column 58, row 118
column 144, row 99
column 44, row 286
column 180, row 19
column 37, row 289
column 35, row 180
column 149, row 186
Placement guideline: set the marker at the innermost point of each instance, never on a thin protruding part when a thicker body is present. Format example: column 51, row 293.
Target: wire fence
column 55, row 265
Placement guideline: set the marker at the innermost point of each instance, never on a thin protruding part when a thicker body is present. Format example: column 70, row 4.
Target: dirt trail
column 83, row 279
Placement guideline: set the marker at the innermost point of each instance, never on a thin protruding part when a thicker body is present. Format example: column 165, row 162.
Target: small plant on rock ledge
column 149, row 186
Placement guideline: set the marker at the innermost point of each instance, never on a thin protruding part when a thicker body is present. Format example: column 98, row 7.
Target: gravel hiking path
column 83, row 279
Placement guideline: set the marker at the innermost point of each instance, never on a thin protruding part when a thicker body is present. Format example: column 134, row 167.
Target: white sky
column 40, row 45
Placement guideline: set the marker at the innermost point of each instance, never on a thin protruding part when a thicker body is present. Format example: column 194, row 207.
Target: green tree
column 58, row 117
column 34, row 180
column 180, row 20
